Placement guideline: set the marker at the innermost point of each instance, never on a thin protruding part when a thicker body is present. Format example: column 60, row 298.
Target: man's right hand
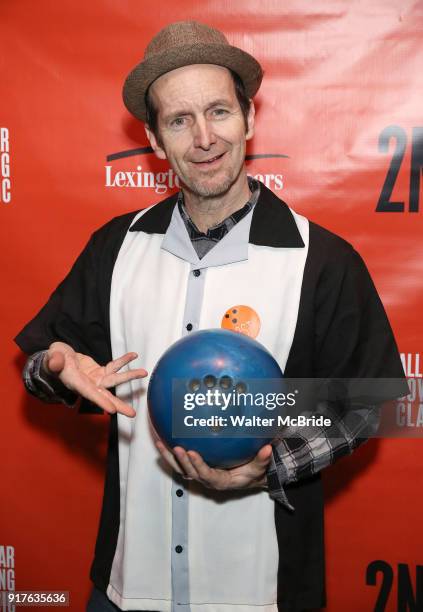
column 82, row 375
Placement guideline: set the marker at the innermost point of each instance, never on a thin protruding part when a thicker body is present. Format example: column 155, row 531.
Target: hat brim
column 146, row 72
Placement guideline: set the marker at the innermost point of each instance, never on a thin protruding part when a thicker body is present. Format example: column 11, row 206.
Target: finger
column 96, row 396
column 257, row 467
column 117, row 364
column 102, row 397
column 54, row 362
column 186, row 463
column 203, row 470
column 171, row 459
column 264, row 455
column 213, row 477
column 112, row 380
column 119, row 405
column 168, row 456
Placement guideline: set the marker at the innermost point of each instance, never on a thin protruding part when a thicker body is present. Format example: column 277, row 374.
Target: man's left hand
column 192, row 466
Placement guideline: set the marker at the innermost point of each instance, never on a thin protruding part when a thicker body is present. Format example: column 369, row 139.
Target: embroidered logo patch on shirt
column 242, row 319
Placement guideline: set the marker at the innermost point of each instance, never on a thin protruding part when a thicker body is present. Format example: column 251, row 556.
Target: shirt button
column 189, row 326
column 179, row 492
column 196, row 272
column 179, row 549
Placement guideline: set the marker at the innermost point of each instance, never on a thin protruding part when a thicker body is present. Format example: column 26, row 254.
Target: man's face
column 201, row 127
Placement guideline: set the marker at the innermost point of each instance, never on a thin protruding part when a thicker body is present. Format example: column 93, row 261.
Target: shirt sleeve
column 304, row 452
column 47, row 388
column 352, row 339
column 77, row 314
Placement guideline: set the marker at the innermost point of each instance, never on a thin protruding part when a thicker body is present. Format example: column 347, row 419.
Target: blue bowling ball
column 218, row 366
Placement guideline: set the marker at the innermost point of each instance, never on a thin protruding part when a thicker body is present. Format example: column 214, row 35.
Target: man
column 176, row 534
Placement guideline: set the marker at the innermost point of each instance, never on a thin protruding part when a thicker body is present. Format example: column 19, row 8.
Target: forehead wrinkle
column 171, row 98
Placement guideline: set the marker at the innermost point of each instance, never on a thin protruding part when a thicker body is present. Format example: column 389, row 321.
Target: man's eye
column 219, row 112
column 178, row 122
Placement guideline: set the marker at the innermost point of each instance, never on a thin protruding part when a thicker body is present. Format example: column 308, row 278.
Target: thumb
column 54, row 362
column 264, row 455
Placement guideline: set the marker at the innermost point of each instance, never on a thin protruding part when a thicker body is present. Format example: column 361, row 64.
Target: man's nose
column 204, row 135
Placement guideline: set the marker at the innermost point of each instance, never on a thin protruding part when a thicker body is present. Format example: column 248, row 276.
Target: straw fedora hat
column 181, row 44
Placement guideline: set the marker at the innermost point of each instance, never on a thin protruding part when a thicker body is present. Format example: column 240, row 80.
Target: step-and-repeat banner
column 339, row 136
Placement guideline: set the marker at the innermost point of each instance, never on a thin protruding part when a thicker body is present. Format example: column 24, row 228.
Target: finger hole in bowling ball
column 240, row 387
column 225, row 382
column 209, row 381
column 194, row 384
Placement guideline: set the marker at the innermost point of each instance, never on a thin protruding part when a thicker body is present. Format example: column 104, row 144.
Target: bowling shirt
column 167, row 544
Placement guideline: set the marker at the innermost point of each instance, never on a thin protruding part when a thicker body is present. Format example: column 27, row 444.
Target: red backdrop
column 339, row 121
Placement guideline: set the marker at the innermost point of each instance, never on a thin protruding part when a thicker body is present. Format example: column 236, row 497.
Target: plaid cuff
column 47, row 388
column 302, row 453
column 277, row 477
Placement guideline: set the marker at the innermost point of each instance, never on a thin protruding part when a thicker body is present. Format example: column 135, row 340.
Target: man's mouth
column 209, row 162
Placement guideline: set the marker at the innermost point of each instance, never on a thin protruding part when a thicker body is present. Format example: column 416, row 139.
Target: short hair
column 243, row 100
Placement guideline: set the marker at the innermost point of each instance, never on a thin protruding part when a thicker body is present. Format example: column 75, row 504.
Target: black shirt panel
column 342, row 328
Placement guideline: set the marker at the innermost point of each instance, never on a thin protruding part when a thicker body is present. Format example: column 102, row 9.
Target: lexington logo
column 162, row 182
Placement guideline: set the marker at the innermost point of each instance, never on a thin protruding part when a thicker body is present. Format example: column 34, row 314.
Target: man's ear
column 158, row 150
column 250, row 121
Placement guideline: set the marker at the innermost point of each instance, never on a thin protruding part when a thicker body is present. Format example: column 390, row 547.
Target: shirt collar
column 272, row 223
column 228, row 223
column 204, row 242
column 233, row 247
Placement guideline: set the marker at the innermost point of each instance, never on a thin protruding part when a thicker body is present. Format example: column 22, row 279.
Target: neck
column 207, row 211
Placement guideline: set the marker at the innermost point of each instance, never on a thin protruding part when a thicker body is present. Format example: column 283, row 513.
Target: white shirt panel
column 233, row 553
column 142, row 559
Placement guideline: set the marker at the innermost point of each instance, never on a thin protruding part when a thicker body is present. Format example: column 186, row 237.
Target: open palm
column 84, row 376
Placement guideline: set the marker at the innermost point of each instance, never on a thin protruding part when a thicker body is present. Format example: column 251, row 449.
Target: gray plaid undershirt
column 204, row 242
